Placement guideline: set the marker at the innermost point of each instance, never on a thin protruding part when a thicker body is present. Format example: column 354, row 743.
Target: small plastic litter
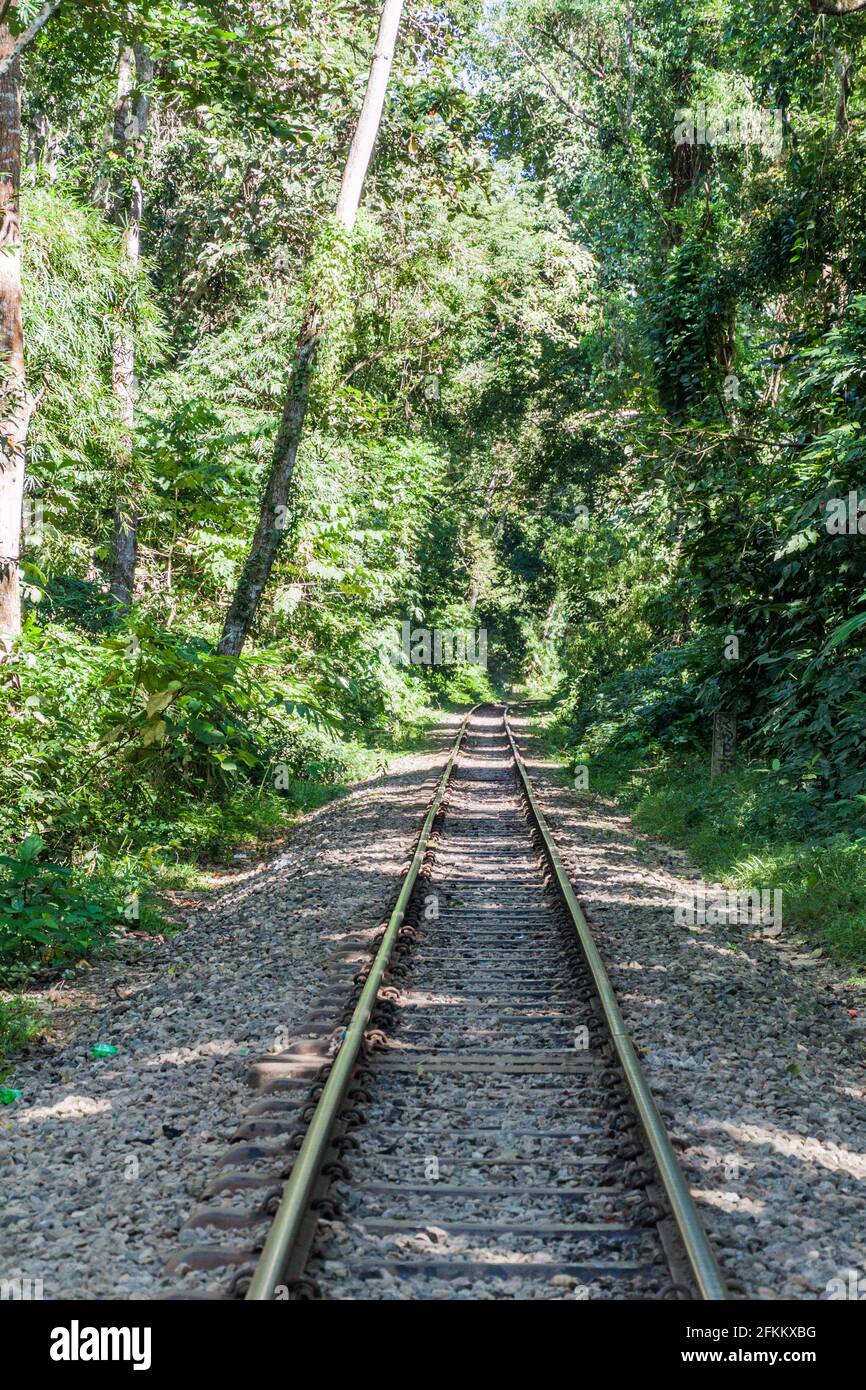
column 8, row 1094
column 103, row 1050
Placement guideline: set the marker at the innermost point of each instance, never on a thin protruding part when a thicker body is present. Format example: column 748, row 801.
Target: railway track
column 476, row 1123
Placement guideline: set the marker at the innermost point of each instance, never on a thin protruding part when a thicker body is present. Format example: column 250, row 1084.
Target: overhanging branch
column 393, row 349
column 29, row 34
column 839, row 8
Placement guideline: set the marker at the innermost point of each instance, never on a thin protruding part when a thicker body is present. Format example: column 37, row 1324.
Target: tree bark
column 844, row 66
column 43, row 147
column 686, row 165
column 271, row 523
column 837, row 7
column 12, row 50
column 724, row 747
column 124, row 206
column 16, row 403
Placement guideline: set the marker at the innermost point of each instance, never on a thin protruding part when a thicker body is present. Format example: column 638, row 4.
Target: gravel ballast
column 495, row 1150
column 753, row 1045
column 103, row 1157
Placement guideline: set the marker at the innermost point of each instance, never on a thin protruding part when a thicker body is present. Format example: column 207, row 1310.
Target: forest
column 327, row 323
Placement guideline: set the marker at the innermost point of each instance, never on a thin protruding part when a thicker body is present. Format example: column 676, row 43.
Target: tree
column 12, row 49
column 270, row 528
column 838, row 7
column 124, row 205
column 16, row 402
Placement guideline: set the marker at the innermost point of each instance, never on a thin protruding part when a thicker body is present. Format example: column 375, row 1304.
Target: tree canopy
column 588, row 375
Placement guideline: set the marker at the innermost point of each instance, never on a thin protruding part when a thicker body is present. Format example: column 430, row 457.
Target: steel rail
column 298, row 1190
column 701, row 1257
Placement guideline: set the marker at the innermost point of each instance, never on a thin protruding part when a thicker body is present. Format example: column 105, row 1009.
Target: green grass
column 747, row 829
column 49, row 922
column 20, row 1023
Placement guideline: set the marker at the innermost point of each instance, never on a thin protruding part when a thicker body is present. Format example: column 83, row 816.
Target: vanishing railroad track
column 476, row 1123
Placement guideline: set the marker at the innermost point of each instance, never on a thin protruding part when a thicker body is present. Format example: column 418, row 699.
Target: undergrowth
column 143, row 755
column 21, row 1023
column 750, row 828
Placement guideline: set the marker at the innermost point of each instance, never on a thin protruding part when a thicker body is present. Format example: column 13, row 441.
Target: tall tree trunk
column 845, row 73
column 269, row 532
column 688, row 160
column 123, row 204
column 43, row 147
column 16, row 403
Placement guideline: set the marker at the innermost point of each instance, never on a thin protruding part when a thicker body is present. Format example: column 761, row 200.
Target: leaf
column 206, row 733
column 153, row 733
column 158, row 702
column 31, row 848
column 845, row 630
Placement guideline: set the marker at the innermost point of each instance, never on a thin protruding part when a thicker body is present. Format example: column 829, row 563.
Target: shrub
column 44, row 916
column 20, row 1023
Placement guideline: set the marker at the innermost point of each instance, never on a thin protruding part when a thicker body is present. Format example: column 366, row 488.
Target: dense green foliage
column 587, row 388
column 717, row 442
